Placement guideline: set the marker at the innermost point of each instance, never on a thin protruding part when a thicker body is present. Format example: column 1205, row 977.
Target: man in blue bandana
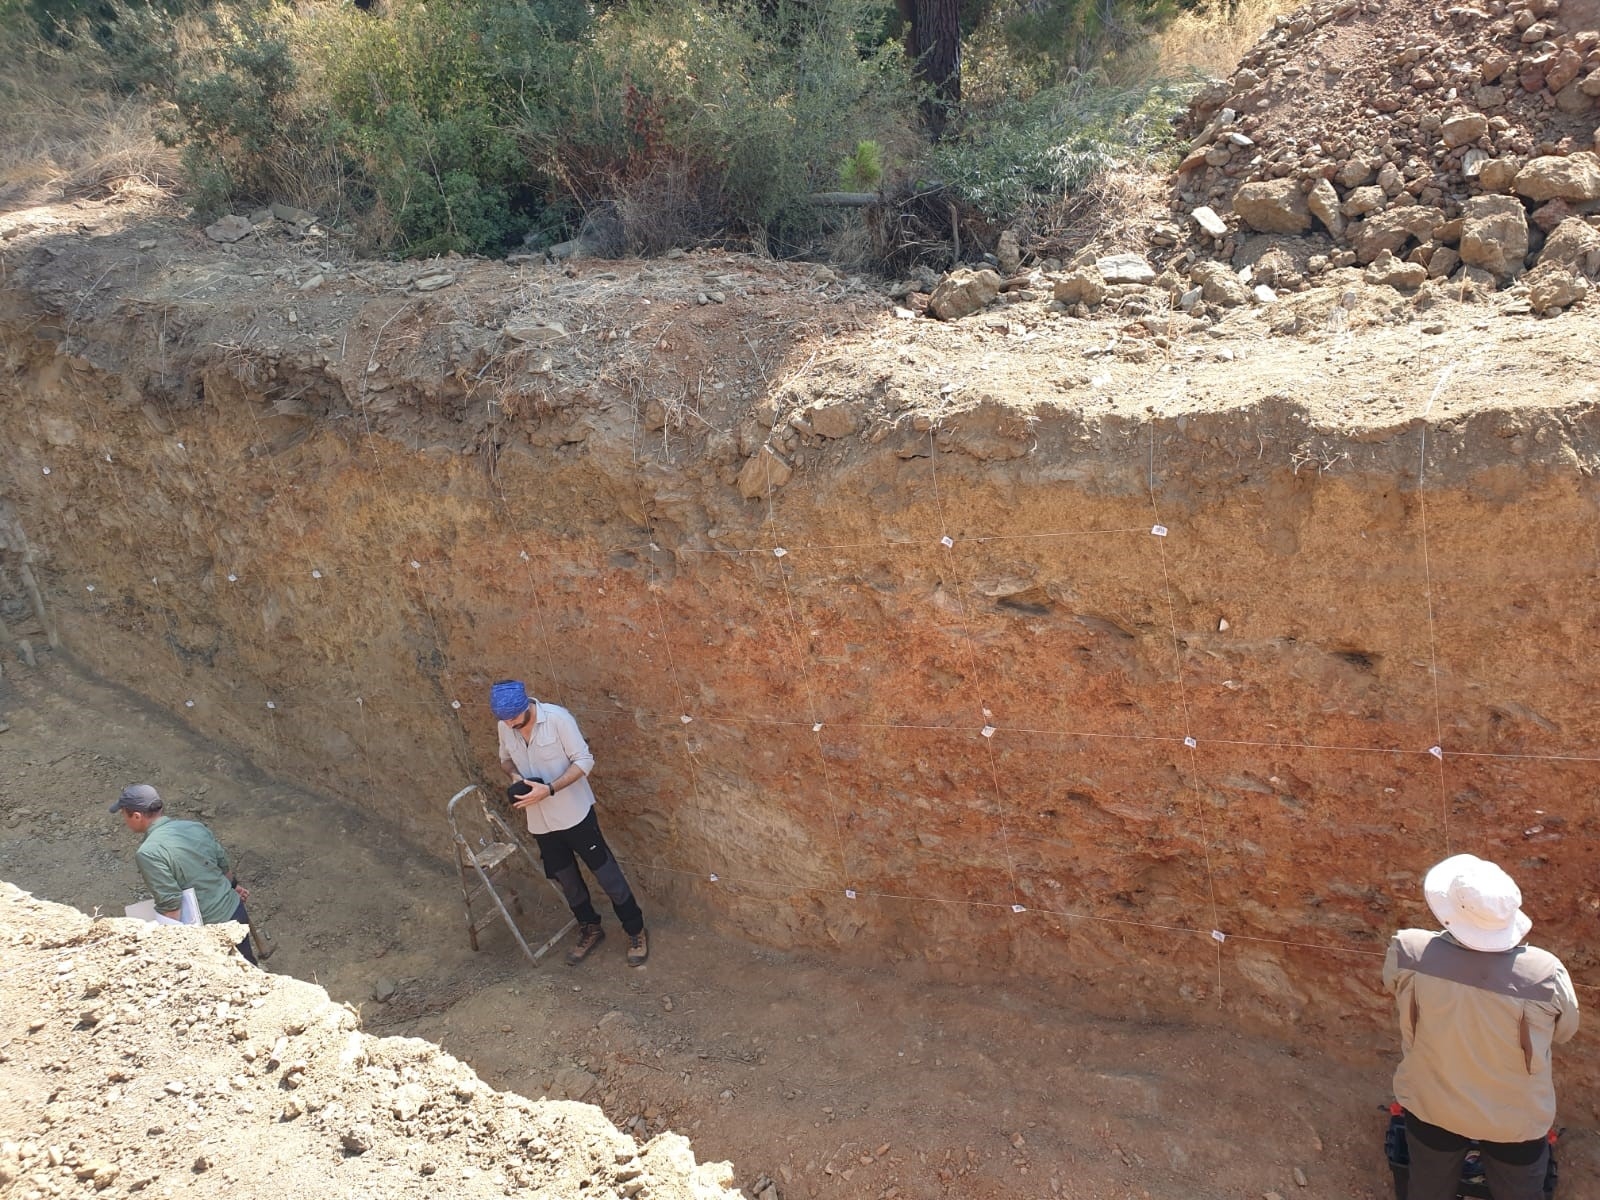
column 544, row 753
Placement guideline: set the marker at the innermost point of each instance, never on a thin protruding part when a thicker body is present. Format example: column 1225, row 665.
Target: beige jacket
column 1476, row 1031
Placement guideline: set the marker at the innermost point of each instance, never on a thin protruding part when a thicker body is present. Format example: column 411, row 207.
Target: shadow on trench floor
column 829, row 1080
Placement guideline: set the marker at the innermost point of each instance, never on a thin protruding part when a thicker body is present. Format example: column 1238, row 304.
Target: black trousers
column 560, row 852
column 245, row 948
column 1514, row 1170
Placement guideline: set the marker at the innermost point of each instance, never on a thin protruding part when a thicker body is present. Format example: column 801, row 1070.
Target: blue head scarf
column 508, row 699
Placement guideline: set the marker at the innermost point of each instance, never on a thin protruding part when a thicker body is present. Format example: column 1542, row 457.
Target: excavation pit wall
column 1173, row 702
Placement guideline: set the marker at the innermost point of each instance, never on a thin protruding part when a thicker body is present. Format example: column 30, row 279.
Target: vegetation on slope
column 485, row 125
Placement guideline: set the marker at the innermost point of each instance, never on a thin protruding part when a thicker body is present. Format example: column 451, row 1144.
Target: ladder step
column 491, row 856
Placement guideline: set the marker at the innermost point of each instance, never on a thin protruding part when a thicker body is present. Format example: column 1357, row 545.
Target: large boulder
column 1083, row 286
column 1494, row 235
column 1357, row 171
column 1388, row 270
column 1462, row 129
column 1496, row 174
column 834, row 418
column 763, row 473
column 1323, row 202
column 1560, row 177
column 1125, row 268
column 1392, row 229
column 962, row 293
column 1273, row 206
column 1574, row 243
column 1219, row 284
column 1368, row 198
column 1552, row 288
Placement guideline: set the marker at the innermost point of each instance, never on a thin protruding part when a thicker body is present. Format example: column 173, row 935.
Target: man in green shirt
column 175, row 855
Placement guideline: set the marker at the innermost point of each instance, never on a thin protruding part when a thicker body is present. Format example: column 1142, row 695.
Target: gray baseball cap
column 139, row 798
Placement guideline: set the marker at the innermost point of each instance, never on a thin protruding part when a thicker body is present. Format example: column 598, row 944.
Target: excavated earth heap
column 1442, row 147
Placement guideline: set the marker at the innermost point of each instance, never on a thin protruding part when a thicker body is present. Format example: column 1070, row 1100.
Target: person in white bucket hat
column 1479, row 1012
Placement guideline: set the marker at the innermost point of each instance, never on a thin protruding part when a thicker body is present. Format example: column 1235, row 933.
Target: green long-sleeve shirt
column 183, row 854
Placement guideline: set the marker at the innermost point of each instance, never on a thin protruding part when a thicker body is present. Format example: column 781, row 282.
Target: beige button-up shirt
column 1476, row 1031
column 553, row 745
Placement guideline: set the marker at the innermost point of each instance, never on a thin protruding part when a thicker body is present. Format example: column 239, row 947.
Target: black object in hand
column 518, row 790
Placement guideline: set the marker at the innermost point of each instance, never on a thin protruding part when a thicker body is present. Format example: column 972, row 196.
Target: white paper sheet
column 188, row 911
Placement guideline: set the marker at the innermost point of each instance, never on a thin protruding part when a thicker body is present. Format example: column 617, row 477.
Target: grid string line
column 1427, row 584
column 968, row 641
column 1159, row 530
column 828, row 783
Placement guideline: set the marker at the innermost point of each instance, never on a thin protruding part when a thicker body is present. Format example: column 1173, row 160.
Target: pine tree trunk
column 935, row 45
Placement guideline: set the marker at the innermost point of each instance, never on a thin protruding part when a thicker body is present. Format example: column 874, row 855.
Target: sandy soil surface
column 821, row 1080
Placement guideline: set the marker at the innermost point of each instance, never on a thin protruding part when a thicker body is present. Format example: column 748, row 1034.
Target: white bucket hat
column 1477, row 902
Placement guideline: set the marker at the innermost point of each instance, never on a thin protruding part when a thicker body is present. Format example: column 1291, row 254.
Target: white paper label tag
column 779, row 552
column 1190, row 742
column 1436, row 752
column 988, row 731
column 849, row 893
column 1218, row 936
column 1159, row 530
column 713, row 877
column 1017, row 908
column 946, row 542
column 686, row 718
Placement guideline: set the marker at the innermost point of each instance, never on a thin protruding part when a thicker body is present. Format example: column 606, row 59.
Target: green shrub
column 700, row 120
column 400, row 121
column 238, row 111
column 465, row 125
column 1038, row 150
column 420, row 102
column 863, row 167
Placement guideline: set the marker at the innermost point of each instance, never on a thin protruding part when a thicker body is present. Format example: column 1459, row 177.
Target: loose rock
column 962, row 293
column 1273, row 206
column 229, row 229
column 1494, row 235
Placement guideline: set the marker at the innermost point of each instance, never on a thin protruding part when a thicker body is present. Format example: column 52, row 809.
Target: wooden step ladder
column 486, row 872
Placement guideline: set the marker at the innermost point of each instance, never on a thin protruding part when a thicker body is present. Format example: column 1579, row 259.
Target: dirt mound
column 135, row 1058
column 1420, row 142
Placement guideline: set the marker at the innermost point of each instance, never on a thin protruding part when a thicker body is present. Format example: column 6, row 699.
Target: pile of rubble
column 1445, row 145
column 136, row 1058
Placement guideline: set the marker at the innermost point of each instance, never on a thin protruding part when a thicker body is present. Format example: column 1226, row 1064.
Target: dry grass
column 1113, row 211
column 1211, row 42
column 65, row 133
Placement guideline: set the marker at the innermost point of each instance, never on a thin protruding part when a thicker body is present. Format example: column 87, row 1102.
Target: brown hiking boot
column 638, row 948
column 589, row 936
